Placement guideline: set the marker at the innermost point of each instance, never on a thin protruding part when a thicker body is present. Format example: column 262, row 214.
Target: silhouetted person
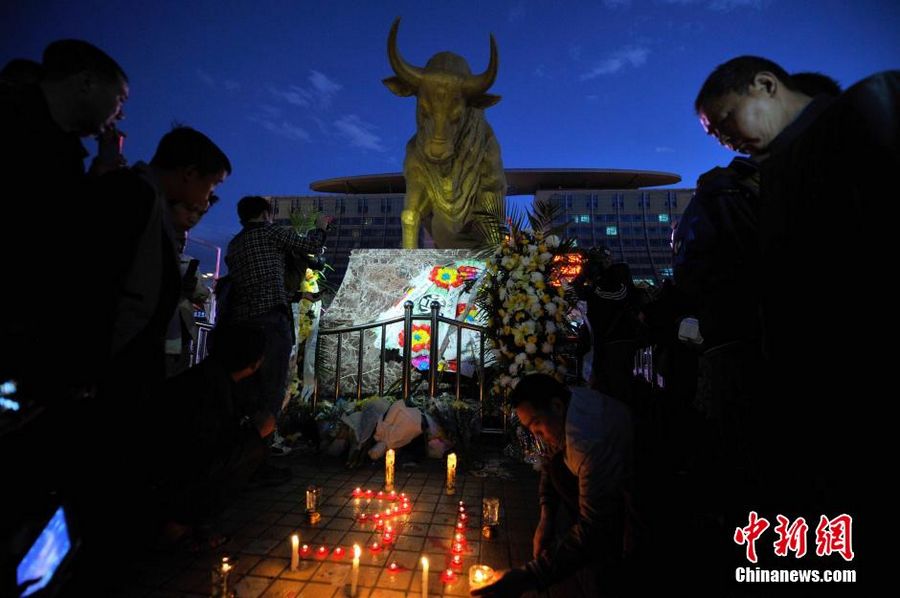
column 820, row 157
column 588, row 477
column 80, row 92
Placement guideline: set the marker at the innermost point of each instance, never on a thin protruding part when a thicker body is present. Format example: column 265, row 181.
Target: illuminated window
column 663, row 217
column 582, row 218
column 612, row 231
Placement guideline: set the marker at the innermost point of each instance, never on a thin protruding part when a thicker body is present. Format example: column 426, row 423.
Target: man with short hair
column 588, row 474
column 79, row 92
column 256, row 264
column 827, row 167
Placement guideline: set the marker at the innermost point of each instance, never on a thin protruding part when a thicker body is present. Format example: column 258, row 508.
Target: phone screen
column 45, row 555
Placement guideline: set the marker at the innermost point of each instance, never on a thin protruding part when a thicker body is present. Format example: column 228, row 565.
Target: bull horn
column 478, row 84
column 409, row 74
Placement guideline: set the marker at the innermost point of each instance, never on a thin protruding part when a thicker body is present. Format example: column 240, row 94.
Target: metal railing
column 407, row 319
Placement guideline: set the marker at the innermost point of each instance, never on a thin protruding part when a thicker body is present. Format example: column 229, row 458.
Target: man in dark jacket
column 826, row 165
column 80, row 92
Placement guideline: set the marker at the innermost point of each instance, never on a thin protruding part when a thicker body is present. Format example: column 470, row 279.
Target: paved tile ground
column 260, row 523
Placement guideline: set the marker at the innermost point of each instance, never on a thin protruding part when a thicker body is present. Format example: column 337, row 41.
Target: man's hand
column 543, row 535
column 515, row 583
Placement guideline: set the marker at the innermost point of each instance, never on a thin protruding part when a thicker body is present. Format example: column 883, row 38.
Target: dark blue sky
column 292, row 90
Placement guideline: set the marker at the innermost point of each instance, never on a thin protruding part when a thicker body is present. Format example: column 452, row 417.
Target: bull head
column 445, row 89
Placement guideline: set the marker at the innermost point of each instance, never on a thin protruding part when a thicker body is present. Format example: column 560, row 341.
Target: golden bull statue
column 452, row 168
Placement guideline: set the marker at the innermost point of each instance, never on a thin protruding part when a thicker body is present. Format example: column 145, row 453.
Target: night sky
column 292, row 90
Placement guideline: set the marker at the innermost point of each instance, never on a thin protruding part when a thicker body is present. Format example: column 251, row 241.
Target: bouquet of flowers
column 524, row 303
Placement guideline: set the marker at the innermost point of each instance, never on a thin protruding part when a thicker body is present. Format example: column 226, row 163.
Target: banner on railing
column 453, row 286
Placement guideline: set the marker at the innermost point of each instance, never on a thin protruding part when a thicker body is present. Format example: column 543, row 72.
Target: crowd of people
column 775, row 368
column 127, row 432
column 118, row 428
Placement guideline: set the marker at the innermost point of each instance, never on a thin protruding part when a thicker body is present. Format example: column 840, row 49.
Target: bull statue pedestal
column 377, row 284
column 452, row 168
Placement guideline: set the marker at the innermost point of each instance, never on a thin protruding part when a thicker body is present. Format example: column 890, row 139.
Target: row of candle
column 391, row 495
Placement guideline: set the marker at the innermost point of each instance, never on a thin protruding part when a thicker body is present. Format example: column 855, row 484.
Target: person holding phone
column 182, row 329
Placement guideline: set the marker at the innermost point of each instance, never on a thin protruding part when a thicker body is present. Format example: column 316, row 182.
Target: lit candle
column 357, row 492
column 457, row 548
column 387, row 537
column 463, row 518
column 354, row 577
column 304, row 550
column 424, row 577
column 460, row 525
column 459, row 538
column 389, row 470
column 456, row 562
column 375, row 547
column 295, row 552
column 338, row 552
column 393, row 568
column 322, row 552
column 448, row 576
column 479, row 576
column 393, row 495
column 451, row 474
column 224, row 571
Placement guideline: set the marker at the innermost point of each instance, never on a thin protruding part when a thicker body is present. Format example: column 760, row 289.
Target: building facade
column 635, row 224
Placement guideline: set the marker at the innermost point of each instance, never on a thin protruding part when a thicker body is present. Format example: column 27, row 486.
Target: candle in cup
column 295, row 552
column 451, row 474
column 304, row 550
column 480, row 576
column 448, row 576
column 490, row 511
column 338, row 552
column 456, row 562
column 354, row 577
column 424, row 577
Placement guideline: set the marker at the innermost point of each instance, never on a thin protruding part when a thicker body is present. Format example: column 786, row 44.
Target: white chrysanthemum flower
column 537, row 277
column 521, row 358
column 550, row 308
column 552, row 241
column 530, row 348
column 547, row 348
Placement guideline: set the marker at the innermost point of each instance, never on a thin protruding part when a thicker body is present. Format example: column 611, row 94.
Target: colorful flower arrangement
column 524, row 303
column 308, row 307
